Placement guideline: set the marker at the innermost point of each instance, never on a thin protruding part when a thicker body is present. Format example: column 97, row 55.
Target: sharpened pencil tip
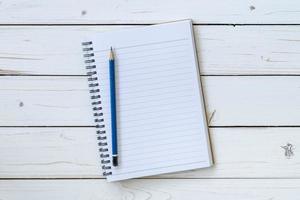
column 111, row 54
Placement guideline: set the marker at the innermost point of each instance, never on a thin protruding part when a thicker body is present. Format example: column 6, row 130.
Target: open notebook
column 160, row 111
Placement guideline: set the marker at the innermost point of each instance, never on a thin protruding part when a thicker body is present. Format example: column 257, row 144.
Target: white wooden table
column 249, row 55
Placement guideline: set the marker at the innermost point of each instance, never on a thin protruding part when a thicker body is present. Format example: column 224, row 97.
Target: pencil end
column 115, row 160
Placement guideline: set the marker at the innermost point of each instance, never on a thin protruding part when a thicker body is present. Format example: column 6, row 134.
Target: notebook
column 161, row 119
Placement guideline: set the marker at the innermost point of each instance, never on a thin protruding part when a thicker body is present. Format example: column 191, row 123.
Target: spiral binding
column 96, row 104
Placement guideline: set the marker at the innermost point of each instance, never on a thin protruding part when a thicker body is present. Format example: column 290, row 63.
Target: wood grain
column 235, row 101
column 134, row 12
column 72, row 153
column 150, row 189
column 222, row 50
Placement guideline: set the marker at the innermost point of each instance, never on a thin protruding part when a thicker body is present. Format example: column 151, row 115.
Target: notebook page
column 160, row 112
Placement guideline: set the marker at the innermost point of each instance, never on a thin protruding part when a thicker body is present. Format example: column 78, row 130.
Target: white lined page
column 160, row 112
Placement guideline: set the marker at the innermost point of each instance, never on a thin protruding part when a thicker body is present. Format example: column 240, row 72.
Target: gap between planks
column 211, row 127
column 74, row 75
column 148, row 24
column 159, row 178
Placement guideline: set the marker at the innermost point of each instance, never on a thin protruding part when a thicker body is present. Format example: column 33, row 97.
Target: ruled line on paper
column 146, row 138
column 161, row 151
column 166, row 107
column 154, row 129
column 151, row 60
column 164, row 153
column 156, row 80
column 141, row 56
column 128, row 74
column 155, row 168
column 150, row 119
column 140, row 45
column 147, row 50
column 137, row 91
column 159, row 167
column 149, row 131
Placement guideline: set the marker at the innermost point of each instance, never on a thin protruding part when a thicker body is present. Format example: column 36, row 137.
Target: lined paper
column 160, row 112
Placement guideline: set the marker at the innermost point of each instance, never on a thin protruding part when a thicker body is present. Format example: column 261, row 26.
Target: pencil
column 113, row 109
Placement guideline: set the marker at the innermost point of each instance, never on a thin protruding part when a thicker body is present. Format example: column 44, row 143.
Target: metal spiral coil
column 89, row 60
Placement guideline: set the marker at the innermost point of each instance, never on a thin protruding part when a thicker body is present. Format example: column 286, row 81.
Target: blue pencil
column 113, row 108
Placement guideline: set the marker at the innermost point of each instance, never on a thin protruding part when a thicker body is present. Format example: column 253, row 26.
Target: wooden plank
column 253, row 101
column 235, row 101
column 221, row 49
column 43, row 50
column 72, row 153
column 150, row 189
column 122, row 11
column 248, row 49
column 45, row 101
column 49, row 152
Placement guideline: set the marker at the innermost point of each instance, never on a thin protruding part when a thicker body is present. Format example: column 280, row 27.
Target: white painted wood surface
column 46, row 161
column 137, row 11
column 221, row 49
column 72, row 153
column 217, row 189
column 234, row 100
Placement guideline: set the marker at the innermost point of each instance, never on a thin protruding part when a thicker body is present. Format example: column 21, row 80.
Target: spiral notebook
column 160, row 109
